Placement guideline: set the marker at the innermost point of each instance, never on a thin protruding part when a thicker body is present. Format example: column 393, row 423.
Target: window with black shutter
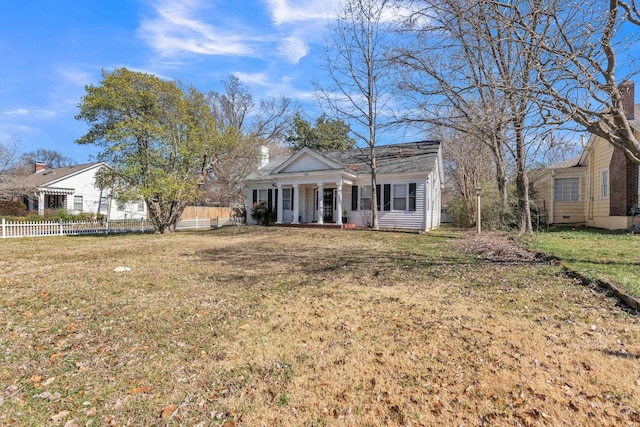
column 412, row 196
column 387, row 197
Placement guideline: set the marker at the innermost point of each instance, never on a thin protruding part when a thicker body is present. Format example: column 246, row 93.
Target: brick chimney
column 39, row 167
column 627, row 89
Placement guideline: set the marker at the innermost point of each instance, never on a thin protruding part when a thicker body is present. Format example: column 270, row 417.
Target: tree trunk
column 374, row 193
column 522, row 183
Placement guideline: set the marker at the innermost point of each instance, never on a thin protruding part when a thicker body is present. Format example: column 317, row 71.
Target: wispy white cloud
column 177, row 29
column 293, row 49
column 17, row 112
column 76, row 76
column 42, row 112
column 259, row 79
column 288, row 11
column 39, row 113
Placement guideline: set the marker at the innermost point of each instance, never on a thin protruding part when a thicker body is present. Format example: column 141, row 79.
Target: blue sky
column 51, row 49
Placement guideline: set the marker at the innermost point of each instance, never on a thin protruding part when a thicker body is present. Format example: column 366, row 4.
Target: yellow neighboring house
column 597, row 189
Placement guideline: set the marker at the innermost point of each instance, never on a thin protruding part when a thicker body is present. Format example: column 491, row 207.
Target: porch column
column 339, row 201
column 296, row 203
column 279, row 208
column 320, row 204
column 41, row 203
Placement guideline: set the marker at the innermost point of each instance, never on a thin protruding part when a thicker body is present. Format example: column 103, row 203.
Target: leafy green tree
column 327, row 134
column 159, row 138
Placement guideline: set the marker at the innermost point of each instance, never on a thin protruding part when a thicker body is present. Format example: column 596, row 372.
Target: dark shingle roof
column 47, row 176
column 396, row 158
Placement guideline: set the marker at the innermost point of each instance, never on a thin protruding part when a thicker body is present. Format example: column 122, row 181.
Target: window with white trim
column 604, row 184
column 566, row 189
column 140, row 205
column 103, row 204
column 399, row 197
column 365, row 197
column 77, row 203
column 286, row 199
column 262, row 196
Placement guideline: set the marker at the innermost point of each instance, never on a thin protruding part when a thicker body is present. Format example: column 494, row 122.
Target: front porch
column 314, row 204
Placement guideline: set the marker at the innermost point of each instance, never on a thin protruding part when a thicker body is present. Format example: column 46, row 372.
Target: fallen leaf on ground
column 139, row 390
column 59, row 416
column 166, row 412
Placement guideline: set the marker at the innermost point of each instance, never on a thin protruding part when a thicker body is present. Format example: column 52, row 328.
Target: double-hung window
column 365, row 197
column 77, row 203
column 286, row 199
column 604, row 184
column 399, row 197
column 262, row 196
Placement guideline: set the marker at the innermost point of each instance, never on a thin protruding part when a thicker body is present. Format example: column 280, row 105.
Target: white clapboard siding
column 306, row 163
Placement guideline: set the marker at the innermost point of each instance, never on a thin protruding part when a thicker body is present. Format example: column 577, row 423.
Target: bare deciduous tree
column 486, row 72
column 359, row 91
column 580, row 75
column 9, row 173
column 239, row 119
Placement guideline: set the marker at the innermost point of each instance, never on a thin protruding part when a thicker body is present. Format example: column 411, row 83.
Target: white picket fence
column 71, row 228
column 199, row 223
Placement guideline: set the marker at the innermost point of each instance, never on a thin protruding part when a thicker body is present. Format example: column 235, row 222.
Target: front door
column 327, row 204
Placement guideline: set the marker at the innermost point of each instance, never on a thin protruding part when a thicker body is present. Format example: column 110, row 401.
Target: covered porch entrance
column 316, row 203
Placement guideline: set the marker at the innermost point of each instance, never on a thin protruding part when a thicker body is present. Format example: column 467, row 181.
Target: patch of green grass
column 599, row 254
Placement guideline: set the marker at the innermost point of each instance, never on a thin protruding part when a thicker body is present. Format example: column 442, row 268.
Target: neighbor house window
column 77, row 203
column 55, row 201
column 140, row 205
column 604, row 184
column 399, row 197
column 365, row 197
column 566, row 190
column 286, row 199
column 103, row 204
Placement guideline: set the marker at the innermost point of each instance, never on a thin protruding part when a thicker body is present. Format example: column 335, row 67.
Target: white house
column 74, row 188
column 315, row 187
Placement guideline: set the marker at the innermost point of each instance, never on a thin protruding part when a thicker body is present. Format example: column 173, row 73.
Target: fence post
column 4, row 228
column 60, row 222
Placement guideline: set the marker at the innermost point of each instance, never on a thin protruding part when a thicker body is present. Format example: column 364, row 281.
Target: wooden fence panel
column 192, row 212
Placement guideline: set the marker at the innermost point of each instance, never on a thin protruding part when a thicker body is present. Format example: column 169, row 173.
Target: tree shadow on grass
column 623, row 355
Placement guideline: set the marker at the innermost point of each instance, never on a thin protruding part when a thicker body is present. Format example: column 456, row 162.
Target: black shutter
column 412, row 196
column 275, row 200
column 354, row 198
column 269, row 198
column 291, row 199
column 378, row 196
column 255, row 197
column 387, row 197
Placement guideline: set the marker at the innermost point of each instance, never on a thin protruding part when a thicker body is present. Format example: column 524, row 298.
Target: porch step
column 316, row 225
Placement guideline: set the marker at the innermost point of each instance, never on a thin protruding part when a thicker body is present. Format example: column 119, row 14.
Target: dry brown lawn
column 253, row 326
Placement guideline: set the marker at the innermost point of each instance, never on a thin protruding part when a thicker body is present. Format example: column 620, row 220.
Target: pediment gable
column 307, row 160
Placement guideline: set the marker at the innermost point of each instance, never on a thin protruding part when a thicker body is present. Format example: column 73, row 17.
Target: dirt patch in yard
column 494, row 246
